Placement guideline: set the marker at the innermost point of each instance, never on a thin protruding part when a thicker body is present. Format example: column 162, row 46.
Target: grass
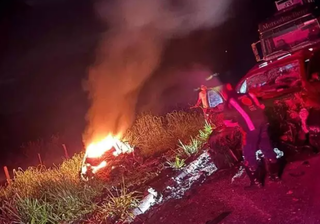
column 157, row 134
column 190, row 149
column 177, row 163
column 56, row 195
column 119, row 204
column 41, row 195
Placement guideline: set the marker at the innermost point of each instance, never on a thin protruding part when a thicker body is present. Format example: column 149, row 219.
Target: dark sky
column 46, row 48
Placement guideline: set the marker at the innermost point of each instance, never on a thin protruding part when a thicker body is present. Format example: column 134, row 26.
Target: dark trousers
column 256, row 140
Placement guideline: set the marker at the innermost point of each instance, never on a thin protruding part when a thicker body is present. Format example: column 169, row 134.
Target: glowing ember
column 100, row 166
column 97, row 154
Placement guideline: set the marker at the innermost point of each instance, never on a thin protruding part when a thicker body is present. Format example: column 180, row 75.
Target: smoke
column 130, row 51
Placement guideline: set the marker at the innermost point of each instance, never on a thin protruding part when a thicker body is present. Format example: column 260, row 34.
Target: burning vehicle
column 106, row 155
column 102, row 155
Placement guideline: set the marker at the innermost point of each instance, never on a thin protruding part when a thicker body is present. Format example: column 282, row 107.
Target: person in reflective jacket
column 246, row 111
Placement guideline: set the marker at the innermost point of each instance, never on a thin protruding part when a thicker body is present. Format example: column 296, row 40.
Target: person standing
column 246, row 111
column 203, row 99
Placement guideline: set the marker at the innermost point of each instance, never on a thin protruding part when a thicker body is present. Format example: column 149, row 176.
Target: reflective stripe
column 243, row 114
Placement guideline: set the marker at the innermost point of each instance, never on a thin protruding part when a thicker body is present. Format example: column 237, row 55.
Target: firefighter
column 246, row 111
column 203, row 99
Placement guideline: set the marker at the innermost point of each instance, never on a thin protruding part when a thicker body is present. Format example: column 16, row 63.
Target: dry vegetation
column 154, row 134
column 56, row 195
column 41, row 195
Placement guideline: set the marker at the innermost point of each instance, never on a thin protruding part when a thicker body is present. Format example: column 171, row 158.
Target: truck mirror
column 255, row 51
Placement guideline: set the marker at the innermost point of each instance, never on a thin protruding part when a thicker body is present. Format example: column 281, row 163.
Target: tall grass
column 119, row 204
column 57, row 195
column 157, row 134
column 41, row 195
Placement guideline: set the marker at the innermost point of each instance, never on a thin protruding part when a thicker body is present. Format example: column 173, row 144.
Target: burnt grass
column 219, row 200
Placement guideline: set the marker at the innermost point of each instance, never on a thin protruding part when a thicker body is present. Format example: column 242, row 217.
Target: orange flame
column 97, row 149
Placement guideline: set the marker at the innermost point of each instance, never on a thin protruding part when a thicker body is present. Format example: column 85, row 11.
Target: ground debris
column 277, row 203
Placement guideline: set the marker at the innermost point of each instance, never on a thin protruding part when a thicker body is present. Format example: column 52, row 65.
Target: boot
column 273, row 168
column 255, row 178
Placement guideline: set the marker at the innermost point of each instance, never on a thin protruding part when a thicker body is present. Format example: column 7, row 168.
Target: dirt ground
column 218, row 200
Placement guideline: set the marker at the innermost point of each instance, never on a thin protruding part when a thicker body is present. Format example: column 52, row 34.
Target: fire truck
column 288, row 66
column 288, row 52
column 287, row 69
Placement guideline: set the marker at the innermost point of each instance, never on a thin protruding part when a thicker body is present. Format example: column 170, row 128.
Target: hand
column 262, row 106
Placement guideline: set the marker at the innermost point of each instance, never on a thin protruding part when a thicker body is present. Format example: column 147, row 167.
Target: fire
column 97, row 149
column 97, row 153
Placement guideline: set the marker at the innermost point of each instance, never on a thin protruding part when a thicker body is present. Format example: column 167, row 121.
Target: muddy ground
column 218, row 200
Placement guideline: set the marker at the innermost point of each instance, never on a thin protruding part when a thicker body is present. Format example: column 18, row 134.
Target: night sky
column 47, row 46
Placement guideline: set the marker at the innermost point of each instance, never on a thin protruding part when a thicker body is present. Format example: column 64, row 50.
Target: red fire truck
column 288, row 52
column 288, row 56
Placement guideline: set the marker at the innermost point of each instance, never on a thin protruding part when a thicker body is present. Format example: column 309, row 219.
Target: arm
column 198, row 102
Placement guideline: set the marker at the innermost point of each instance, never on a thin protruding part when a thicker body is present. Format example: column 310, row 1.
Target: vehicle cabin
column 289, row 53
